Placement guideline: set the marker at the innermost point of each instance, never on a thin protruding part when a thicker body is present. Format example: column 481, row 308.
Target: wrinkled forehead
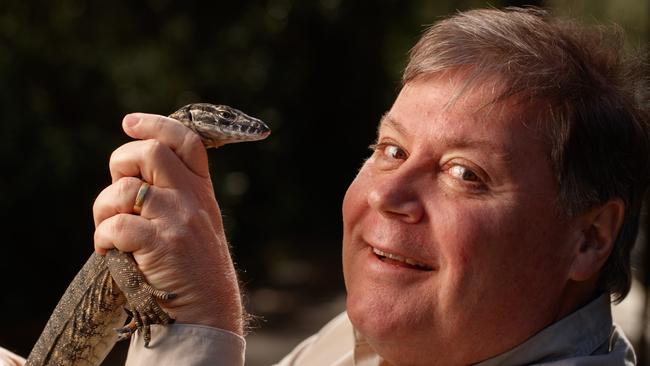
column 459, row 111
column 484, row 97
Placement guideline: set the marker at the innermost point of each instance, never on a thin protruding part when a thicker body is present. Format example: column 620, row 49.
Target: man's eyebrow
column 388, row 120
column 452, row 143
column 486, row 145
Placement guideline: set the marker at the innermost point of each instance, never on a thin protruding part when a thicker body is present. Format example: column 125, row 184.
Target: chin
column 385, row 336
column 400, row 339
column 370, row 320
column 376, row 318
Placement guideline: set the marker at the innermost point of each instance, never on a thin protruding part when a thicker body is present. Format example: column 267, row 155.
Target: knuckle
column 119, row 224
column 192, row 140
column 122, row 187
column 120, row 154
column 157, row 123
column 97, row 236
column 102, row 235
column 152, row 148
column 98, row 203
column 125, row 186
column 115, row 156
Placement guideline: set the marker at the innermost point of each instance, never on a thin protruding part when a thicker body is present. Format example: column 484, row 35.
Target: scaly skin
column 82, row 328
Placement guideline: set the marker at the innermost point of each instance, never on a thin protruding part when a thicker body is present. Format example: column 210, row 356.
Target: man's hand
column 178, row 239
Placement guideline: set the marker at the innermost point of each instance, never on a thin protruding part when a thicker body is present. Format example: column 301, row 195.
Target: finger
column 180, row 139
column 128, row 233
column 155, row 162
column 119, row 198
column 115, row 199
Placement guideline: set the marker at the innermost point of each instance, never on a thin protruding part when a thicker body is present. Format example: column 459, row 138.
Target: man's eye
column 394, row 152
column 464, row 173
column 389, row 151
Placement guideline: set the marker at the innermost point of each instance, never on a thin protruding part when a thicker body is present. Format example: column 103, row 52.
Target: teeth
column 399, row 258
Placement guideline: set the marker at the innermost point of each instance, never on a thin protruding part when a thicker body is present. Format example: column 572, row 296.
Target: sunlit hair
column 592, row 100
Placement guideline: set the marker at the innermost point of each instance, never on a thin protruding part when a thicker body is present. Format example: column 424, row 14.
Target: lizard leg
column 140, row 295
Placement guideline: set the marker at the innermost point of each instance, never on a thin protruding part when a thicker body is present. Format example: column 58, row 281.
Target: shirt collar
column 579, row 334
column 364, row 355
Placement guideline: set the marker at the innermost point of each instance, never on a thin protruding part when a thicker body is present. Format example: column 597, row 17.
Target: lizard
column 89, row 319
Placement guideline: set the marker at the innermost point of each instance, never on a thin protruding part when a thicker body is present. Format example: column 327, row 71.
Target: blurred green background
column 321, row 73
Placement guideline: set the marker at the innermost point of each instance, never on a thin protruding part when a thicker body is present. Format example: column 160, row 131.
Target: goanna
column 89, row 319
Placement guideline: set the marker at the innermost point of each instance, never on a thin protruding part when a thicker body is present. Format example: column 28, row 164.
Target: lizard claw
column 128, row 329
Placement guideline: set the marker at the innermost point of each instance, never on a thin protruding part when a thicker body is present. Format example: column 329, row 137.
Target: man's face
column 453, row 248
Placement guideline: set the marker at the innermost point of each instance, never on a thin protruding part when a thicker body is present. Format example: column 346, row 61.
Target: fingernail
column 130, row 120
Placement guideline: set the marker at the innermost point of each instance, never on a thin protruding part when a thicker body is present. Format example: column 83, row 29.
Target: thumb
column 183, row 141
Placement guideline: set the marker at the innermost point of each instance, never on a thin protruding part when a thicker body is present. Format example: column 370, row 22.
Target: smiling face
column 453, row 249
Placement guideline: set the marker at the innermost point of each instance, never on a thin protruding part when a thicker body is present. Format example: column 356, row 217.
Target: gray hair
column 591, row 91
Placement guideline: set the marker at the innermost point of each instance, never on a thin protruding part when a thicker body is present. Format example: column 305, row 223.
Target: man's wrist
column 217, row 313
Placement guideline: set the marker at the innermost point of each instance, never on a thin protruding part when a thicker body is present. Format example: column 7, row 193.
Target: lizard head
column 220, row 124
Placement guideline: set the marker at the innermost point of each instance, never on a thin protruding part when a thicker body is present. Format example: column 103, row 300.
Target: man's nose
column 396, row 196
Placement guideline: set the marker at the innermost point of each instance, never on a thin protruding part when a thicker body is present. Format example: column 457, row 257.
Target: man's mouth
column 398, row 260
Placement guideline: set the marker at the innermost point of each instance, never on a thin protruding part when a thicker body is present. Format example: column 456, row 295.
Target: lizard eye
column 227, row 115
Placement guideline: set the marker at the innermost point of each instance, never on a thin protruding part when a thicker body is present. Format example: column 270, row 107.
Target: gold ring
column 139, row 198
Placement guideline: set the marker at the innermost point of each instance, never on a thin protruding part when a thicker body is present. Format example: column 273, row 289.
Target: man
column 488, row 226
column 495, row 218
column 491, row 225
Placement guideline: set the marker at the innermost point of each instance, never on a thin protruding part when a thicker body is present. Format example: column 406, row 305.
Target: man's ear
column 599, row 229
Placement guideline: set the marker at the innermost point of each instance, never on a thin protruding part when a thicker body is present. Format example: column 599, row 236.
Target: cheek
column 354, row 201
column 473, row 237
column 354, row 206
column 488, row 246
column 464, row 236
